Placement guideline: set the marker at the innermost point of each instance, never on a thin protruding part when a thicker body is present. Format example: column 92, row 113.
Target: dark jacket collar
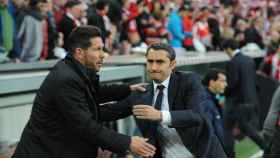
column 36, row 14
column 89, row 76
column 210, row 94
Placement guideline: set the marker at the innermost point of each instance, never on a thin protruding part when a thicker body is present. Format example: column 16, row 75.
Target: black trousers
column 246, row 117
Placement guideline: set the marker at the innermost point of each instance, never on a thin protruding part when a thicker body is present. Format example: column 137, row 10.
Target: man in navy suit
column 215, row 83
column 169, row 113
column 242, row 100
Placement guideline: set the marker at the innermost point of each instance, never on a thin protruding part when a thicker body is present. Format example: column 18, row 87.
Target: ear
column 173, row 64
column 78, row 54
column 211, row 83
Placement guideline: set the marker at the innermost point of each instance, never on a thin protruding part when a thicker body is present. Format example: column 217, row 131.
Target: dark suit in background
column 242, row 102
column 65, row 26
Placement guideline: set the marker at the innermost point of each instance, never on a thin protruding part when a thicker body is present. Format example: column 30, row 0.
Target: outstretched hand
column 140, row 147
column 138, row 87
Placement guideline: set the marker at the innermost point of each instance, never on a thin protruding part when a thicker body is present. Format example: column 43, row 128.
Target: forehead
column 96, row 42
column 158, row 54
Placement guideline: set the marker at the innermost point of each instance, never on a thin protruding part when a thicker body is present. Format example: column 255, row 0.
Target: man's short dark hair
column 33, row 3
column 80, row 37
column 72, row 3
column 163, row 46
column 230, row 43
column 101, row 4
column 212, row 74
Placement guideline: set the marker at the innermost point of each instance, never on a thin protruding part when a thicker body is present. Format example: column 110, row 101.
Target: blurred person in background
column 7, row 30
column 97, row 16
column 32, row 32
column 270, row 65
column 175, row 27
column 75, row 11
column 59, row 9
column 241, row 95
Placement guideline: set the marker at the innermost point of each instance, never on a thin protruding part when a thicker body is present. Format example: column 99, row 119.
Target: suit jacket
column 65, row 121
column 66, row 25
column 185, row 96
column 241, row 78
column 214, row 112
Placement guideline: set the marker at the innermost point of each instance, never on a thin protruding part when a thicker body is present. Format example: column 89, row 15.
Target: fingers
column 147, row 150
column 146, row 112
column 138, row 87
column 141, row 111
column 141, row 147
column 141, row 106
column 142, row 89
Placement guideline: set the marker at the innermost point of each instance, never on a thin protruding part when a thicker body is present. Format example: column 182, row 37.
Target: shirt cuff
column 166, row 118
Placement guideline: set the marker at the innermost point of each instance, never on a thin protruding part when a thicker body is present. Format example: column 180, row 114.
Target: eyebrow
column 159, row 60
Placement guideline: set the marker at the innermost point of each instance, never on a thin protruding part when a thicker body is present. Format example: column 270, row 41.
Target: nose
column 102, row 54
column 153, row 66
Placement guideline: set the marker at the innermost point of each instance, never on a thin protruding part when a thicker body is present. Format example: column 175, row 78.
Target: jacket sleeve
column 74, row 108
column 116, row 110
column 232, row 78
column 113, row 92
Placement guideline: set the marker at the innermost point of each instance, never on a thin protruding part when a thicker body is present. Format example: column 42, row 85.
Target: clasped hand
column 147, row 112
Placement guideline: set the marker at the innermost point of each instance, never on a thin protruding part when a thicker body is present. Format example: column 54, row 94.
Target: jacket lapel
column 172, row 89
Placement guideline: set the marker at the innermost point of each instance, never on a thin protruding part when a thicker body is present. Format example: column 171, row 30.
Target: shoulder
column 64, row 74
column 187, row 76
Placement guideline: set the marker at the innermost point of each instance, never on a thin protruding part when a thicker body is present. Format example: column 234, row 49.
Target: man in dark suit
column 242, row 101
column 168, row 112
column 66, row 117
column 215, row 83
column 71, row 19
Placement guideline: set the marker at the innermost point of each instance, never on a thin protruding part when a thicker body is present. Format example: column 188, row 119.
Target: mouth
column 100, row 63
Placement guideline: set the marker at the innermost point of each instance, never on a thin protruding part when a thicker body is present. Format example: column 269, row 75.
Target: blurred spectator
column 252, row 34
column 201, row 28
column 273, row 43
column 214, row 28
column 7, row 29
column 59, row 51
column 51, row 31
column 175, row 26
column 130, row 31
column 271, row 65
column 33, row 32
column 241, row 26
column 59, row 9
column 152, row 25
column 72, row 17
column 19, row 10
column 188, row 29
column 97, row 16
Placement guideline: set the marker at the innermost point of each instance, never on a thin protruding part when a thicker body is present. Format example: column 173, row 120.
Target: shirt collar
column 165, row 83
column 71, row 16
column 235, row 52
